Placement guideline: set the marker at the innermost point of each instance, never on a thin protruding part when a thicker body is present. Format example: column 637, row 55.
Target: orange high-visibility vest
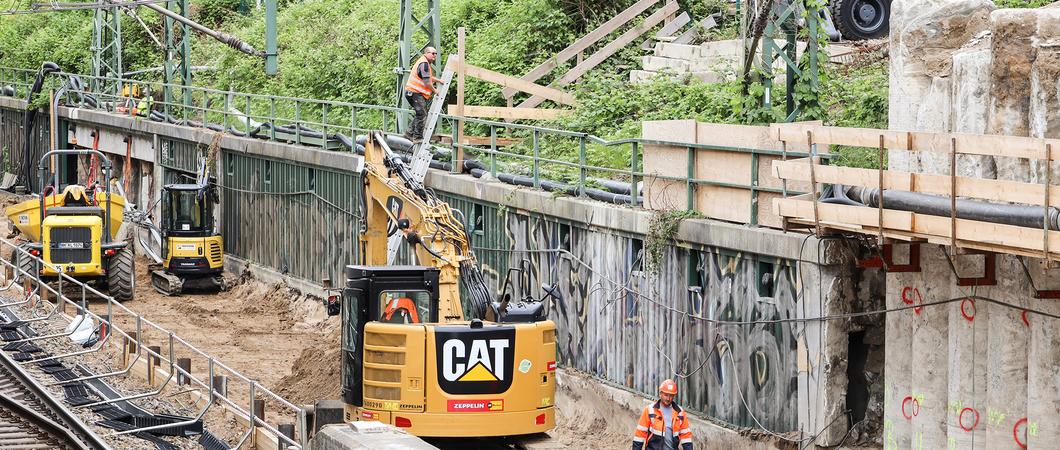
column 415, row 84
column 650, row 432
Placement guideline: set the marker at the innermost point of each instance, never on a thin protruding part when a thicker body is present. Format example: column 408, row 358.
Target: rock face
column 925, row 34
column 973, row 375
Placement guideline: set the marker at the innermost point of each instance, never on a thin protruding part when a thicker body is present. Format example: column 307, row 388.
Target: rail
column 115, row 315
column 539, row 153
column 72, row 432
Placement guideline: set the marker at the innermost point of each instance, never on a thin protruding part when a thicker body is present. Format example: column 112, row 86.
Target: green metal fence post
column 537, row 162
column 298, row 122
column 272, row 118
column 224, row 114
column 633, row 169
column 581, row 166
column 690, row 186
column 246, row 111
column 754, row 189
column 324, row 123
column 493, row 151
column 353, row 121
column 454, row 164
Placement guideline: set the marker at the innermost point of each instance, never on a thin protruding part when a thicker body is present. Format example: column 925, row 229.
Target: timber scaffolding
column 886, row 222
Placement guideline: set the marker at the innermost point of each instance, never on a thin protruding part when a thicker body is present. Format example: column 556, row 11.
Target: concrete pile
column 973, row 373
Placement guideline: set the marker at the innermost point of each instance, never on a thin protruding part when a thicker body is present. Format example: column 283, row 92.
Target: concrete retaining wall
column 619, row 321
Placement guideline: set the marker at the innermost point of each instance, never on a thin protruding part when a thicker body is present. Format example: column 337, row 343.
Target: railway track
column 30, row 418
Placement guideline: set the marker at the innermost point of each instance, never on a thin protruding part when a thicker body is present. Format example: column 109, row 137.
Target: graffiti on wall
column 621, row 324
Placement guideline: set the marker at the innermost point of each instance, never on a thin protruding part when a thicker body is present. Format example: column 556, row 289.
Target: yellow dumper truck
column 74, row 231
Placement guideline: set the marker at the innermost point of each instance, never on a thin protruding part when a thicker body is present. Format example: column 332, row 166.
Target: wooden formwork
column 887, row 223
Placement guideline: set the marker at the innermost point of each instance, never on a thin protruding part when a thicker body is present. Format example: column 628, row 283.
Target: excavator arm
column 432, row 229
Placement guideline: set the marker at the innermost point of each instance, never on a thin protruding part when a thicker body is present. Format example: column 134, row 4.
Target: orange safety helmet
column 668, row 387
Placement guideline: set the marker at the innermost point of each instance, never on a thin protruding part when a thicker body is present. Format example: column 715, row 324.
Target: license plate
column 71, row 245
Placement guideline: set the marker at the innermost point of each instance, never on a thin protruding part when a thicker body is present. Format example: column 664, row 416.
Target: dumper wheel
column 862, row 19
column 26, row 263
column 120, row 275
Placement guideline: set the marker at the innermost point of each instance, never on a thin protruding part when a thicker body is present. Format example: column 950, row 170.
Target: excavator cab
column 401, row 366
column 192, row 250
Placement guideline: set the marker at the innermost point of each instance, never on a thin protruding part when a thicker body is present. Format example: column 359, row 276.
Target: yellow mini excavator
column 192, row 249
column 411, row 356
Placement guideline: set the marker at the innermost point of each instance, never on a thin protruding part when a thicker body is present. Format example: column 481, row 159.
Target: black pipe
column 1007, row 214
column 23, row 172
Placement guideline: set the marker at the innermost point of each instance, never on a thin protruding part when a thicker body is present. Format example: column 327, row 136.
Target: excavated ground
column 284, row 339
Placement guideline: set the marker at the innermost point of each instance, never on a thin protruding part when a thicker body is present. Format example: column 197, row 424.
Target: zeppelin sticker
column 475, row 405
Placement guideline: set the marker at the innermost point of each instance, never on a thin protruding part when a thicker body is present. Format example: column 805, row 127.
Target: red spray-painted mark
column 973, row 417
column 912, row 296
column 913, row 406
column 1019, row 432
column 1023, row 316
column 968, row 309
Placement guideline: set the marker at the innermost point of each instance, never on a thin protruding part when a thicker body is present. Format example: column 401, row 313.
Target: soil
column 284, row 340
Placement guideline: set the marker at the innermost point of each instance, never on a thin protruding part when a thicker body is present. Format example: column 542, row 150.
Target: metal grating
column 71, row 245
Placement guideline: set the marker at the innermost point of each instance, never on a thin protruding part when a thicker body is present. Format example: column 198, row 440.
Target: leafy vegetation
column 344, row 50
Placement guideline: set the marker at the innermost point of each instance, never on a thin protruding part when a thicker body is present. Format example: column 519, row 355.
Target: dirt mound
column 315, row 374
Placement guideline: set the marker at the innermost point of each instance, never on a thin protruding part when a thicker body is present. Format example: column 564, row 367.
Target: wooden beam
column 480, row 140
column 585, row 42
column 672, row 26
column 935, row 228
column 967, row 144
column 998, row 190
column 610, row 49
column 501, row 112
column 508, row 81
column 693, row 32
column 461, row 75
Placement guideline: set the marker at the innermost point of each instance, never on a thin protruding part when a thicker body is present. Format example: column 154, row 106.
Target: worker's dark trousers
column 419, row 104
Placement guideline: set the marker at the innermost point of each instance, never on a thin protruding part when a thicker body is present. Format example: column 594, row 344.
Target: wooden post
column 286, row 429
column 152, row 363
column 259, row 408
column 953, row 194
column 880, row 237
column 1045, row 219
column 220, row 385
column 461, row 77
column 185, row 365
column 813, row 184
column 9, row 273
column 128, row 348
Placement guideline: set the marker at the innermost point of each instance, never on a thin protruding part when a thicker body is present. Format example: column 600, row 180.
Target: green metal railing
column 542, row 154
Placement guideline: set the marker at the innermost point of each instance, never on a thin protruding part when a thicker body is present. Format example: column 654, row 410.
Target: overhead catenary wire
column 40, row 8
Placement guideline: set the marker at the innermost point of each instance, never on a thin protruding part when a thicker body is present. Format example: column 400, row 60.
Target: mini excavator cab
column 192, row 250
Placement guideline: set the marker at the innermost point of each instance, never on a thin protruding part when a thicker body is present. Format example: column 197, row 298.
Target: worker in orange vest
column 418, row 91
column 663, row 425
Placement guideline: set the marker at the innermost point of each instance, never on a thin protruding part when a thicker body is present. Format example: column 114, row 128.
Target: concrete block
column 659, row 64
column 709, row 77
column 641, row 76
column 677, row 51
column 381, row 437
column 729, row 47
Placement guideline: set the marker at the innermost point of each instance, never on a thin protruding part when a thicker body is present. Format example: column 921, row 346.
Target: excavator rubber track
column 168, row 284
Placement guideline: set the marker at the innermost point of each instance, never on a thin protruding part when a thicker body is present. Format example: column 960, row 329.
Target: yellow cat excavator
column 411, row 355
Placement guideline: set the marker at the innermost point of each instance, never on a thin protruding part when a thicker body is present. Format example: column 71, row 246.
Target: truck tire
column 858, row 20
column 120, row 274
column 25, row 263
